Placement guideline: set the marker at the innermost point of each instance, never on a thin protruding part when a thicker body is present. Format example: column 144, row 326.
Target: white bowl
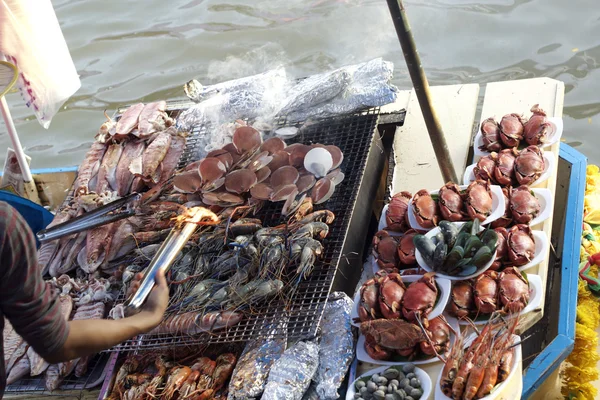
column 362, row 355
column 469, row 175
column 555, row 137
column 498, row 207
column 422, row 375
column 535, row 299
column 541, row 249
column 438, row 308
column 511, row 388
column 427, row 268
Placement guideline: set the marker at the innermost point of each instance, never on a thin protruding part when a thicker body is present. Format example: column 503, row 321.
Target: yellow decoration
column 581, row 369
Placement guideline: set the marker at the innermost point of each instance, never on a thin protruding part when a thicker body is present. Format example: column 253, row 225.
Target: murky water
column 145, row 50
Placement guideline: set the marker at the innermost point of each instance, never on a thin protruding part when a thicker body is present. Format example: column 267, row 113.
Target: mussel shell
column 467, row 226
column 454, row 256
column 425, row 246
column 490, row 238
column 449, row 231
column 482, row 257
column 461, row 239
column 467, row 270
column 439, row 255
column 438, row 238
column 472, row 246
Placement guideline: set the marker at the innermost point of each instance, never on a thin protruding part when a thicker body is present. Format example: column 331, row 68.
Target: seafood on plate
column 506, row 292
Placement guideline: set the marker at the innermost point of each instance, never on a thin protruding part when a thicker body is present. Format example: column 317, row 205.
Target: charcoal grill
column 354, row 134
column 97, row 370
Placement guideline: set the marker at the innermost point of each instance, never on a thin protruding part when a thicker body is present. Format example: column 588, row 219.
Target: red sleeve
column 25, row 300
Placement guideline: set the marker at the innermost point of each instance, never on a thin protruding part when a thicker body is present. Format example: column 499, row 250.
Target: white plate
column 361, row 353
column 558, row 122
column 439, row 307
column 469, row 175
column 383, row 223
column 427, row 268
column 546, row 205
column 511, row 388
column 535, row 299
column 498, row 207
column 541, row 249
column 422, row 375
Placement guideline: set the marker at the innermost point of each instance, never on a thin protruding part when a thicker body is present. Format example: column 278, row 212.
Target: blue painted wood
column 562, row 345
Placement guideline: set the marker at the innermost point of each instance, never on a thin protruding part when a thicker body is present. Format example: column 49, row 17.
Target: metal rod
column 419, row 80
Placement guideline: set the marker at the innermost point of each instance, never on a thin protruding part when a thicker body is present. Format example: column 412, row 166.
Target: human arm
column 93, row 335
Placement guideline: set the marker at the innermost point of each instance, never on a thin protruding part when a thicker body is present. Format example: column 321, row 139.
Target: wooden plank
column 518, row 97
column 414, row 156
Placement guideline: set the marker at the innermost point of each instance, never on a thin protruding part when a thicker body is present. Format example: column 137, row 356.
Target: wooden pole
column 419, row 80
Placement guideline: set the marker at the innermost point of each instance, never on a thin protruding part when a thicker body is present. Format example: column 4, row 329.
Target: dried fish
column 90, row 164
column 153, row 156
column 124, row 177
column 291, row 374
column 251, row 372
column 108, row 167
column 336, row 348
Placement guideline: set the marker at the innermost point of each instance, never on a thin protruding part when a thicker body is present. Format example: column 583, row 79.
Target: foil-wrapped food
column 291, row 375
column 251, row 372
column 336, row 348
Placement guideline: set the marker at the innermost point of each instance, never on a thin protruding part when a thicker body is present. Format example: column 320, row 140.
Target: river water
column 133, row 51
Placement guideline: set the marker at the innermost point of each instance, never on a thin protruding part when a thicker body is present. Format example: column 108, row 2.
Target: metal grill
column 353, row 134
column 97, row 369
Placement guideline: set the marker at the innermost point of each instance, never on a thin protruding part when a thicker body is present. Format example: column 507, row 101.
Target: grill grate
column 97, row 369
column 353, row 134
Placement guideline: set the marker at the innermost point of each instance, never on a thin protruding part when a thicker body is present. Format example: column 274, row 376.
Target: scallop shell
column 306, row 182
column 280, row 159
column 318, row 161
column 259, row 161
column 230, row 148
column 284, row 176
column 273, row 145
column 287, row 131
column 214, row 185
column 240, row 181
column 187, row 182
column 336, row 155
column 246, row 138
column 223, row 155
column 263, row 174
column 230, row 199
column 322, row 191
column 211, row 169
column 292, row 204
column 336, row 176
column 283, row 192
column 261, row 191
column 298, row 154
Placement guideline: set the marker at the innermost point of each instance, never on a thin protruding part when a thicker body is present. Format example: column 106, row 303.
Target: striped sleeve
column 33, row 310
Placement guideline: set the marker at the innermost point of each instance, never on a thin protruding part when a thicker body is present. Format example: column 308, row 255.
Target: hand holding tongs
column 98, row 217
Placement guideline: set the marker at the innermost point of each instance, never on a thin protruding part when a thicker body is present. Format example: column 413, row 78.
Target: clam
column 246, row 138
column 336, row 155
column 318, row 162
column 211, row 169
column 187, row 182
column 280, row 159
column 283, row 192
column 263, row 174
column 261, row 191
column 240, row 181
column 284, row 176
column 273, row 145
column 336, row 176
column 306, row 182
column 322, row 191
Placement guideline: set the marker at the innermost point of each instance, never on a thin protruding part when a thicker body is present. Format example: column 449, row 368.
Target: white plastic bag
column 31, row 38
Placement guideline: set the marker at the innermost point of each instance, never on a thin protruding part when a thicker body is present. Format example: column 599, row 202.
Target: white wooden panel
column 416, row 166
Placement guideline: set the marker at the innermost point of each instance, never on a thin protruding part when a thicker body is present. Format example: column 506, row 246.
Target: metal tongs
column 98, row 217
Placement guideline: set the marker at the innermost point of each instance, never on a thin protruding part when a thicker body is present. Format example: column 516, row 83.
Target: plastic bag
column 31, row 38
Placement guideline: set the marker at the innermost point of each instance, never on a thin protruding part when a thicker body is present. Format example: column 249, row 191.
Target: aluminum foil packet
column 291, row 375
column 336, row 348
column 358, row 86
column 250, row 374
